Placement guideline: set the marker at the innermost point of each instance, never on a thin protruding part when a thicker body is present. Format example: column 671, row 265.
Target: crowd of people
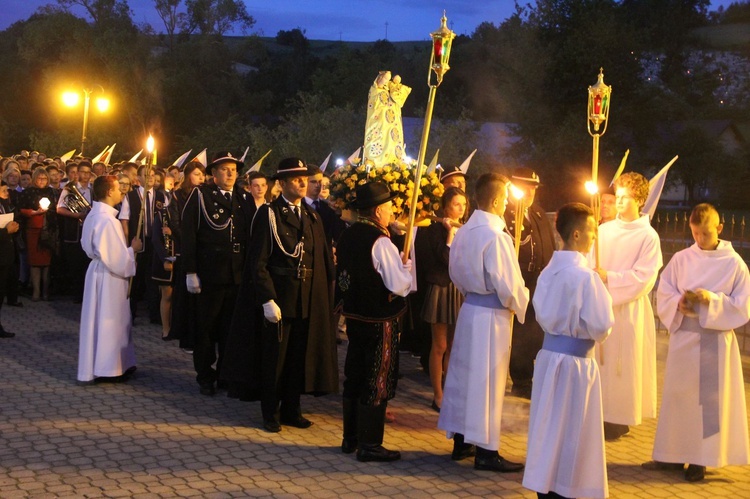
column 254, row 276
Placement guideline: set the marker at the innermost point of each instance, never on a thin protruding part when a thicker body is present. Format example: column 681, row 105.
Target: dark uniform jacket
column 7, row 243
column 537, row 242
column 214, row 234
column 272, row 275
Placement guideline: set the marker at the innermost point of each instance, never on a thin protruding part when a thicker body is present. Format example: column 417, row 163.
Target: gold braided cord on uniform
column 298, row 249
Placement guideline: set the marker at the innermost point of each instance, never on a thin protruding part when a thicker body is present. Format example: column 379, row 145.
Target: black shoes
column 613, row 431
column 271, row 426
column 297, row 422
column 487, row 460
column 208, row 389
column 435, row 407
column 6, row 334
column 377, row 453
column 695, row 473
column 348, row 445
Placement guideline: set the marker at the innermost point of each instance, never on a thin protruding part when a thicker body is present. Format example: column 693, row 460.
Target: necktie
column 228, row 195
column 295, row 208
column 149, row 215
column 316, row 205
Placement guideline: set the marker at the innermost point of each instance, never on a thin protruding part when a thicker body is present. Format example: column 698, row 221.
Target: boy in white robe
column 484, row 268
column 630, row 259
column 703, row 294
column 105, row 348
column 566, row 455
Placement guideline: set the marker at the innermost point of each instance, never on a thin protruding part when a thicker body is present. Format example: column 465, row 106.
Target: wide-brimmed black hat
column 371, row 194
column 451, row 171
column 223, row 157
column 525, row 175
column 291, row 167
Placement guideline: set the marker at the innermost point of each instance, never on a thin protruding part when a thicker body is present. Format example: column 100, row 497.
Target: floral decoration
column 399, row 177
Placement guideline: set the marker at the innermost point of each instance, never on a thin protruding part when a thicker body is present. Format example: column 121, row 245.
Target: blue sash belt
column 708, row 390
column 487, row 301
column 577, row 347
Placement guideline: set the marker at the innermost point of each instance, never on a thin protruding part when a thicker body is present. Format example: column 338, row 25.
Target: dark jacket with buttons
column 214, row 234
column 537, row 242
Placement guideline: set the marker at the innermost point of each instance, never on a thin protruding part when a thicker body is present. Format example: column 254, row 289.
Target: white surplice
column 105, row 344
column 482, row 261
column 703, row 417
column 566, row 434
column 630, row 252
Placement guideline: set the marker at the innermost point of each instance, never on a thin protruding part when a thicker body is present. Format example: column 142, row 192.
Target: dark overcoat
column 242, row 361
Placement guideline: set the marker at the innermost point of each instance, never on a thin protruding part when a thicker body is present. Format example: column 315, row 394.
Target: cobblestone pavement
column 155, row 436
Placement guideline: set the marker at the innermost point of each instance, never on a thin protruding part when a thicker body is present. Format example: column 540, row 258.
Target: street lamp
column 71, row 99
column 442, row 41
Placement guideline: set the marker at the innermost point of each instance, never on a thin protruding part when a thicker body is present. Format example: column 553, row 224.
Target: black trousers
column 525, row 345
column 77, row 263
column 283, row 367
column 11, row 281
column 143, row 286
column 214, row 309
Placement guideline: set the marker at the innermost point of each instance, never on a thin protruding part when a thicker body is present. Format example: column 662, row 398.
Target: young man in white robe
column 484, row 268
column 629, row 262
column 566, row 455
column 703, row 294
column 105, row 349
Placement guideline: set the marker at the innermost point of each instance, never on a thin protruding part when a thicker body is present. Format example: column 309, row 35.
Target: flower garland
column 399, row 177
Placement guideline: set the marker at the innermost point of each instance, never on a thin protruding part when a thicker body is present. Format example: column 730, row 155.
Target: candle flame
column 591, row 187
column 150, row 144
column 516, row 192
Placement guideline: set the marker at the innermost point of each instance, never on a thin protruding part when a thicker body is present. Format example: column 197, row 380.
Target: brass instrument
column 75, row 201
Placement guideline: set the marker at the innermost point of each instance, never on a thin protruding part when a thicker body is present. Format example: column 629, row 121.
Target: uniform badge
column 215, row 216
column 344, row 280
column 159, row 205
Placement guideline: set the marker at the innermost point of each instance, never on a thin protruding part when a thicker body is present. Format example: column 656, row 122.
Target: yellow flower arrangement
column 399, row 177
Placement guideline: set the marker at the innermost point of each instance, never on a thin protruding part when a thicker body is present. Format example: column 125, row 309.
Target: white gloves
column 271, row 311
column 193, row 284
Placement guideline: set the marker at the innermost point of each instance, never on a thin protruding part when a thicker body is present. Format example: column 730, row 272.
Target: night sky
column 350, row 20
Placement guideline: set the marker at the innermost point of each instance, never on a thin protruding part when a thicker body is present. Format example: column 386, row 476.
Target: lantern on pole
column 442, row 42
column 598, row 115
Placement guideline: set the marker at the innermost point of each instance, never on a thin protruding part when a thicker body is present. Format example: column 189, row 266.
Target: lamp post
column 442, row 41
column 70, row 99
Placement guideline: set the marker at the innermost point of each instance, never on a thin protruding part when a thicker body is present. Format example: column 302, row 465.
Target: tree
column 217, row 17
column 103, row 12
column 172, row 19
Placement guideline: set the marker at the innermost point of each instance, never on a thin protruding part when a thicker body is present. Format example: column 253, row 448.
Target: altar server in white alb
column 566, row 455
column 484, row 268
column 630, row 259
column 105, row 344
column 704, row 293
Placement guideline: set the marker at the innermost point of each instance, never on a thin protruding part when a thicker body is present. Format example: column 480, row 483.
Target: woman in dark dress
column 183, row 303
column 34, row 203
column 442, row 299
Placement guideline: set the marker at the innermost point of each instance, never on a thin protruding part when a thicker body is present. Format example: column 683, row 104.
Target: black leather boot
column 490, row 460
column 370, row 429
column 349, row 443
column 461, row 450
